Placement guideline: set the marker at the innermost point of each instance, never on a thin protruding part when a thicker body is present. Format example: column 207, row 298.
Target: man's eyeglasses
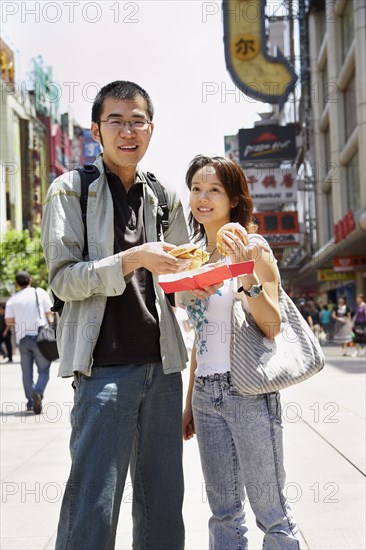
column 120, row 124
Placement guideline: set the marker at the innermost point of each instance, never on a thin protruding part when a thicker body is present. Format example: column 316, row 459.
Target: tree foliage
column 19, row 251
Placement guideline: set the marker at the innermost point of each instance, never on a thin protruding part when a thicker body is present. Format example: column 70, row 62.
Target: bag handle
column 39, row 311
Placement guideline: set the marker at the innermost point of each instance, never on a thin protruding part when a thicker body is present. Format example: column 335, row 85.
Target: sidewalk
column 324, row 420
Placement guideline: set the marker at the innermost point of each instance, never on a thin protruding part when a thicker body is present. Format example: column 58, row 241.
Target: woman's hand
column 203, row 293
column 188, row 424
column 240, row 249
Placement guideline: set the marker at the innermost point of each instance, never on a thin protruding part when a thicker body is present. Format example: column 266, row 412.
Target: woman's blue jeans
column 240, row 443
column 125, row 415
column 29, row 353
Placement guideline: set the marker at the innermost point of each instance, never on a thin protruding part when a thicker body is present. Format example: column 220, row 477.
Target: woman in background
column 359, row 325
column 343, row 328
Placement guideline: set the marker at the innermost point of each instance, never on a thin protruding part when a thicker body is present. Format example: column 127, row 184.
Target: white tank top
column 212, row 319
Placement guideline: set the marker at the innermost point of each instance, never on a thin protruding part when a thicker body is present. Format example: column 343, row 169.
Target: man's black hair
column 120, row 89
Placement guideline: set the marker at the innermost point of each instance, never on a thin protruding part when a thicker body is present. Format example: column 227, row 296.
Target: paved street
column 324, row 421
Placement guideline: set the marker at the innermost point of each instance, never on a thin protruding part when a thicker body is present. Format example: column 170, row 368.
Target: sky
column 173, row 49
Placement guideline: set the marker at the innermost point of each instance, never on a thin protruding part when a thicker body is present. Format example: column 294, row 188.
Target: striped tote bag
column 260, row 365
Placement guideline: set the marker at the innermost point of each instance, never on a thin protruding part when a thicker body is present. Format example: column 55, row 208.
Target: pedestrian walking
column 359, row 325
column 6, row 346
column 315, row 319
column 325, row 319
column 304, row 309
column 343, row 327
column 239, row 437
column 125, row 350
column 27, row 310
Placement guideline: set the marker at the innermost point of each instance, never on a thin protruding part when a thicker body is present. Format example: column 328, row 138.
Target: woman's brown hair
column 233, row 179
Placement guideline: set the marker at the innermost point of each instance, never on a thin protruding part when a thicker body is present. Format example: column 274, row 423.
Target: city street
column 324, row 420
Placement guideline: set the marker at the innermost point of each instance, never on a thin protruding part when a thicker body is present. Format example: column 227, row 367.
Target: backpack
column 88, row 174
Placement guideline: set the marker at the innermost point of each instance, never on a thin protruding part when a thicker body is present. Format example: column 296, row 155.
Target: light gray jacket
column 85, row 284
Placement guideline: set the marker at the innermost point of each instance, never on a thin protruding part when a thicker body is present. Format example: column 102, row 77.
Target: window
column 350, row 107
column 353, row 184
column 347, row 30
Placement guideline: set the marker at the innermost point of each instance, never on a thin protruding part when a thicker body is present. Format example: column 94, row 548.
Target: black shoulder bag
column 46, row 338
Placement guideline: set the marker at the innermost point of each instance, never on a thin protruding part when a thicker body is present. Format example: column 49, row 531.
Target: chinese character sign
column 272, row 185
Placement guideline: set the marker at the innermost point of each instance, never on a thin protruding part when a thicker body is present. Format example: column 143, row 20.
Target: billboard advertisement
column 269, row 142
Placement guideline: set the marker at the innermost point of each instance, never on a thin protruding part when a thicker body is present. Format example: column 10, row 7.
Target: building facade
column 337, row 62
column 37, row 144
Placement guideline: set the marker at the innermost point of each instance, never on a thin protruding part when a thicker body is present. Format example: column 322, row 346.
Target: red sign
column 344, row 227
column 350, row 263
column 279, row 228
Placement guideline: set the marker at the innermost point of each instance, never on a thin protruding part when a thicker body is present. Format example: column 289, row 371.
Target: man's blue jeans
column 29, row 353
column 240, row 443
column 125, row 415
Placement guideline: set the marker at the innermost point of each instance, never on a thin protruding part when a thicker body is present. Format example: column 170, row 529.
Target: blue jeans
column 125, row 415
column 29, row 353
column 240, row 443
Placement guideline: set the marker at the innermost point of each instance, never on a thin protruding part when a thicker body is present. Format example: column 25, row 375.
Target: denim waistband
column 32, row 336
column 217, row 377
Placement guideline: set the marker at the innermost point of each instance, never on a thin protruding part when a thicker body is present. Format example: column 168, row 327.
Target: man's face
column 123, row 147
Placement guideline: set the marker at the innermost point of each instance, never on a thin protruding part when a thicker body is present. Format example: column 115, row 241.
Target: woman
column 359, row 325
column 343, row 327
column 239, row 438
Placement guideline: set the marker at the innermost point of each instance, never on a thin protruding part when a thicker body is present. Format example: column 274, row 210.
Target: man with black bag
column 117, row 335
column 27, row 310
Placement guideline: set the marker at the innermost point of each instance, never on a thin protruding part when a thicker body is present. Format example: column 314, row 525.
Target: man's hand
column 154, row 258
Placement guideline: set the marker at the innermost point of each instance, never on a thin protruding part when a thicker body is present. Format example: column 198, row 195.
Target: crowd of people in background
column 330, row 323
column 337, row 323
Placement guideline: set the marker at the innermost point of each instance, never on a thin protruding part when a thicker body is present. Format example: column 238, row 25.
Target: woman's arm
column 188, row 423
column 265, row 307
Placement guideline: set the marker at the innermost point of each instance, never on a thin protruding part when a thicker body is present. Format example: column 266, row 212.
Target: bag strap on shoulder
column 39, row 311
column 87, row 174
column 162, row 220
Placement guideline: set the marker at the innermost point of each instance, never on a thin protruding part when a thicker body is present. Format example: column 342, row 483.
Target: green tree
column 19, row 251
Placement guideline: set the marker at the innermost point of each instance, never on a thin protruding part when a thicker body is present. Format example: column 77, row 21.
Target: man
column 118, row 336
column 305, row 312
column 26, row 311
column 5, row 336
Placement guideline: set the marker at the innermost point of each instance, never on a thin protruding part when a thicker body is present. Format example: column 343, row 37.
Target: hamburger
column 190, row 252
column 233, row 227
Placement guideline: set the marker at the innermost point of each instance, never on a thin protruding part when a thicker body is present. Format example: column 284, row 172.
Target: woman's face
column 341, row 302
column 209, row 202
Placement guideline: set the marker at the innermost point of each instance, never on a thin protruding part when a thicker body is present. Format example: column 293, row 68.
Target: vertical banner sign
column 256, row 73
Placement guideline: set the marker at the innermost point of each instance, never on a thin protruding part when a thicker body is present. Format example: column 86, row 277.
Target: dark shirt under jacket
column 130, row 328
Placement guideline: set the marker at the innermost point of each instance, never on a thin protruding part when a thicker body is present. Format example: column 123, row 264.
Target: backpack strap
column 87, row 174
column 162, row 219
